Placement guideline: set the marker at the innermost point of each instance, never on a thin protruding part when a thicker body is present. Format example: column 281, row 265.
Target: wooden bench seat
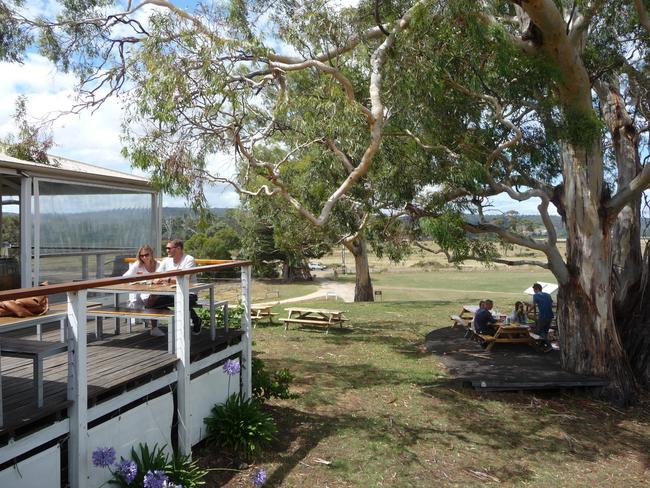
column 37, row 351
column 121, row 312
column 312, row 321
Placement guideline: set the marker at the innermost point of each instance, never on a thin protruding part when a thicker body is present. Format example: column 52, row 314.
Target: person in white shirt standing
column 176, row 259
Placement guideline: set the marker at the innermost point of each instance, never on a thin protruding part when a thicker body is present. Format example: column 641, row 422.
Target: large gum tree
column 547, row 100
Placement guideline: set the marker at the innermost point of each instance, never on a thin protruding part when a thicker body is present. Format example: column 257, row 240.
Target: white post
column 246, row 327
column 156, row 221
column 25, row 232
column 77, row 391
column 37, row 234
column 182, row 336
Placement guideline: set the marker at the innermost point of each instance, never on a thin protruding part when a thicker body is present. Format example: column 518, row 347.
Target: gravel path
column 342, row 291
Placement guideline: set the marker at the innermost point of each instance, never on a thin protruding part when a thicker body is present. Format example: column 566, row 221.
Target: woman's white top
column 136, row 300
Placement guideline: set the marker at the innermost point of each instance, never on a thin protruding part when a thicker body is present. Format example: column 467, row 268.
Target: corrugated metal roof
column 75, row 170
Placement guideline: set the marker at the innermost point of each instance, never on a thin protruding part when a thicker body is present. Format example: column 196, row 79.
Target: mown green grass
column 382, row 411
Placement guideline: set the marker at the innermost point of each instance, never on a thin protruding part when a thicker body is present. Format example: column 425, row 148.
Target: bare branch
column 630, row 191
column 347, row 164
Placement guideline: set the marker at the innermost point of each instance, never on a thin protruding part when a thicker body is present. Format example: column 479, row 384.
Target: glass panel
column 86, row 220
column 9, row 232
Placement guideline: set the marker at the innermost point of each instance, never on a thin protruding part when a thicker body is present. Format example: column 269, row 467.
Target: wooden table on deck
column 314, row 316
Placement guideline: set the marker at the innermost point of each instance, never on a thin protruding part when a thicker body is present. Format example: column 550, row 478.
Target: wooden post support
column 182, row 336
column 77, row 390
column 246, row 327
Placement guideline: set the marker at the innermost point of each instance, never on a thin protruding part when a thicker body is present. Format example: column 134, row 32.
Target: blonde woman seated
column 145, row 263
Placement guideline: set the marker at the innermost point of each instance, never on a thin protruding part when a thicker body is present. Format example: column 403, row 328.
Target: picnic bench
column 37, row 351
column 314, row 316
column 262, row 312
column 507, row 334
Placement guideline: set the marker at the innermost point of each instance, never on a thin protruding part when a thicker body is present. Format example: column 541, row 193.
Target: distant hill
column 536, row 222
column 183, row 211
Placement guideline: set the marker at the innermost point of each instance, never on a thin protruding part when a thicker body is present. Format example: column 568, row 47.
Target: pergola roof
column 69, row 169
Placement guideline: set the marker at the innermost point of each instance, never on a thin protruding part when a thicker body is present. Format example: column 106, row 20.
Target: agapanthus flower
column 232, row 366
column 127, row 469
column 259, row 477
column 103, row 457
column 155, row 479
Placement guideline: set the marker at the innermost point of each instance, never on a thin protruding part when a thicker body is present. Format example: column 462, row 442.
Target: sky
column 94, row 137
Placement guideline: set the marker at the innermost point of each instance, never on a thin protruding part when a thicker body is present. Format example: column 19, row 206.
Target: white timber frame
column 246, row 327
column 25, row 231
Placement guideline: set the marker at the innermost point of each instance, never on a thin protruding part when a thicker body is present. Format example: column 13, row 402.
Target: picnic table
column 505, row 333
column 314, row 316
column 261, row 312
column 509, row 334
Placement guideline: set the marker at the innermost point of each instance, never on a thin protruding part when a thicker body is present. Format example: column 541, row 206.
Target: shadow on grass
column 574, row 427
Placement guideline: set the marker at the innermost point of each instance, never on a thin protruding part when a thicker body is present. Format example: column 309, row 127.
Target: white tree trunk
column 590, row 342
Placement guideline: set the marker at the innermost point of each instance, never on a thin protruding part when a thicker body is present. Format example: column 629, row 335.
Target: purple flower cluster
column 127, row 469
column 232, row 367
column 259, row 477
column 103, row 457
column 156, row 479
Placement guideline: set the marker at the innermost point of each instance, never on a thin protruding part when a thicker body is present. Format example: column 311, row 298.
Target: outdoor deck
column 508, row 367
column 115, row 364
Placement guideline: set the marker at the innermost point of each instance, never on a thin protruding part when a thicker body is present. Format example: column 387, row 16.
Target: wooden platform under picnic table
column 514, row 368
column 314, row 316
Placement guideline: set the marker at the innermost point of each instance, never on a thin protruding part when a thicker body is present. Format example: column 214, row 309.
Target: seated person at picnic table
column 544, row 304
column 481, row 305
column 518, row 315
column 176, row 259
column 144, row 263
column 484, row 319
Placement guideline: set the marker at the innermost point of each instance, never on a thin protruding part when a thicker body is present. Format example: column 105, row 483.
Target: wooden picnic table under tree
column 262, row 312
column 314, row 316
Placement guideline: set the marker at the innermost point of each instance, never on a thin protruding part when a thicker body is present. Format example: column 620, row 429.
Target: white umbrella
column 546, row 287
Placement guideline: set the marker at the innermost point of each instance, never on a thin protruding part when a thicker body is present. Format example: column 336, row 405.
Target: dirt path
column 328, row 288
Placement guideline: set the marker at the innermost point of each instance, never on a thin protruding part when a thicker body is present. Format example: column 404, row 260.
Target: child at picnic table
column 518, row 315
column 484, row 319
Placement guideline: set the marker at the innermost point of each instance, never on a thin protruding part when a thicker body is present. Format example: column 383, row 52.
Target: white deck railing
column 77, row 388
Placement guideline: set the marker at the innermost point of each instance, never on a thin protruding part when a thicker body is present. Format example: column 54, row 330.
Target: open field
column 381, row 410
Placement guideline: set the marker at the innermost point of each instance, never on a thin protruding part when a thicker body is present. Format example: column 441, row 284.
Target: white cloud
column 89, row 137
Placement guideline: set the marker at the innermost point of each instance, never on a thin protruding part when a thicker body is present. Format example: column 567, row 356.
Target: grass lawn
column 381, row 411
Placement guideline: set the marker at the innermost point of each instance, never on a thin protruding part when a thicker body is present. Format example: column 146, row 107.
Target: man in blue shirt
column 544, row 304
column 484, row 319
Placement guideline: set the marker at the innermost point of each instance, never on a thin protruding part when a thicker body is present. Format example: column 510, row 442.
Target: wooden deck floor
column 113, row 365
